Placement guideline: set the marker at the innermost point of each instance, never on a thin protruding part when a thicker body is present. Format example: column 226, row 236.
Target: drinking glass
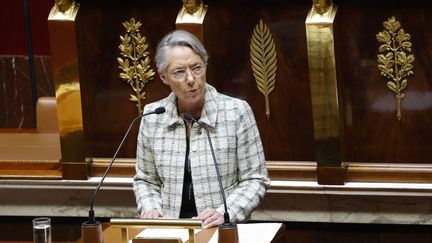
column 42, row 230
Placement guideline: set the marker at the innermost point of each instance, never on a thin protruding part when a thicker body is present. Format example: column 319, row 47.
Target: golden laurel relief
column 264, row 61
column 135, row 64
column 395, row 63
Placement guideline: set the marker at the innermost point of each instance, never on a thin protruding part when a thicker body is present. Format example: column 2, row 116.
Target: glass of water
column 42, row 230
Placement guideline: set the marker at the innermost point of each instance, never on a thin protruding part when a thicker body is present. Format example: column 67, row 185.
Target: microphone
column 227, row 230
column 92, row 222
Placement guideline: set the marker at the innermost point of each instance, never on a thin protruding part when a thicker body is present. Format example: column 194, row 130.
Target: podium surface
column 113, row 235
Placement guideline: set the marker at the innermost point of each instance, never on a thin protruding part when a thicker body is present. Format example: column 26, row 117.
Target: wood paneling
column 228, row 27
column 288, row 134
column 107, row 110
column 372, row 131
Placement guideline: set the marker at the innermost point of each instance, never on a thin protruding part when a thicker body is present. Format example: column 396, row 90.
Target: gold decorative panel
column 264, row 61
column 395, row 63
column 64, row 55
column 323, row 83
column 135, row 61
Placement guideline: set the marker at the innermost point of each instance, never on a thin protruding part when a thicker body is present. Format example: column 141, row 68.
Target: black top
column 188, row 207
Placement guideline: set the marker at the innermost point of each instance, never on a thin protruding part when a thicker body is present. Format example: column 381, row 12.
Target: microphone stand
column 91, row 230
column 228, row 232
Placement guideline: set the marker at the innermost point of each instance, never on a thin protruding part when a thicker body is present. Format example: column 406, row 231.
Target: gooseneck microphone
column 227, row 230
column 91, row 219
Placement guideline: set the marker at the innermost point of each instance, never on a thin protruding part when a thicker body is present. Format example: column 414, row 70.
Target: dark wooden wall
column 371, row 131
column 288, row 135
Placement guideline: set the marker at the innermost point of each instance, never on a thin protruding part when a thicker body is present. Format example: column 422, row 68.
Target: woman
column 175, row 175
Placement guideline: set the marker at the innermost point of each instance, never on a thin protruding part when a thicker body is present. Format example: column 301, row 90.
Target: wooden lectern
column 189, row 224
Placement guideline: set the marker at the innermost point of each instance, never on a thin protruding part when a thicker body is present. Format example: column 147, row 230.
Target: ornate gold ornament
column 192, row 12
column 395, row 63
column 64, row 10
column 264, row 61
column 323, row 82
column 321, row 6
column 135, row 64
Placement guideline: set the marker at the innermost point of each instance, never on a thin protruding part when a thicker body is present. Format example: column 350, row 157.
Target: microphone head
column 159, row 110
column 188, row 117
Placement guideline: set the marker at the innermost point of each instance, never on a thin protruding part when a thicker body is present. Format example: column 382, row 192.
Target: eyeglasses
column 180, row 73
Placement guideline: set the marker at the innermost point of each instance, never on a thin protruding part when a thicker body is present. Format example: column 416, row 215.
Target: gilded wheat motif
column 264, row 61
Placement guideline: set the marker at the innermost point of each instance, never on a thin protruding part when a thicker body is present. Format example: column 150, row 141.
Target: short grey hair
column 178, row 38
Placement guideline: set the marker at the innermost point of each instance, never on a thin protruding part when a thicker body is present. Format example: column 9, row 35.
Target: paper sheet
column 183, row 234
column 254, row 232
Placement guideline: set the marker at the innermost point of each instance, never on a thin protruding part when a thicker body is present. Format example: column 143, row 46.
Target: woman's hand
column 151, row 214
column 210, row 218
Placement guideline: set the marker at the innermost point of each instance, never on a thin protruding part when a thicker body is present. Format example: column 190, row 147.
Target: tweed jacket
column 161, row 151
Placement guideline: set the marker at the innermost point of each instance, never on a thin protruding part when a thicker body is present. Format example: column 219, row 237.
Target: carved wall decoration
column 395, row 62
column 264, row 61
column 64, row 10
column 325, row 101
column 191, row 17
column 68, row 83
column 135, row 64
column 192, row 11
